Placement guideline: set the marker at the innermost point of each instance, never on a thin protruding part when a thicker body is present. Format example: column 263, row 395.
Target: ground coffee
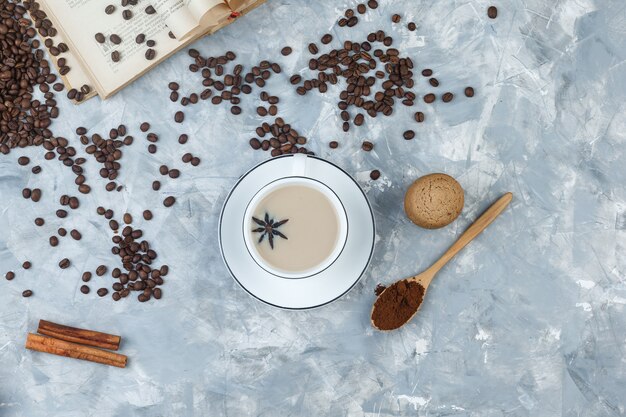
column 397, row 304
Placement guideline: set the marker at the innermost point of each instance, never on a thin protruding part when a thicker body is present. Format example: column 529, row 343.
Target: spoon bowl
column 425, row 278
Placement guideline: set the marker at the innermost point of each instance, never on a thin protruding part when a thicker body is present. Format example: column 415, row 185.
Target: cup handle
column 299, row 165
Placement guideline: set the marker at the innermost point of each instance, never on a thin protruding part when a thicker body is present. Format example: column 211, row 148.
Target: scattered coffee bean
column 110, row 9
column 54, row 241
column 396, row 18
column 127, row 14
column 39, row 221
column 26, row 265
column 179, row 117
column 61, row 231
column 23, row 160
column 35, row 195
column 86, row 277
column 27, row 293
column 361, row 8
column 75, row 234
column 9, row 275
column 169, row 201
column 419, row 117
column 115, row 56
column 375, row 174
column 101, row 270
column 327, row 38
column 411, row 26
column 84, row 289
column 427, row 72
column 333, row 144
column 286, row 51
column 150, row 10
column 408, row 135
column 156, row 185
column 64, row 263
column 61, row 213
column 163, row 170
column 372, row 4
column 173, row 173
column 429, row 98
column 150, row 54
column 102, row 292
column 128, row 219
column 447, row 97
column 147, row 215
column 367, row 146
column 36, row 169
column 434, row 82
column 115, row 39
column 100, row 38
column 492, row 12
column 469, row 92
column 140, row 38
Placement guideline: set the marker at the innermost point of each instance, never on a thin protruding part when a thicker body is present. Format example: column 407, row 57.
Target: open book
column 170, row 24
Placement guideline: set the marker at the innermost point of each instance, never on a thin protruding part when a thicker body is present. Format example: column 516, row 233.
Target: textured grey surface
column 528, row 321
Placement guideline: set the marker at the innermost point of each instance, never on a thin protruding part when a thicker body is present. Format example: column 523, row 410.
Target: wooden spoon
column 426, row 277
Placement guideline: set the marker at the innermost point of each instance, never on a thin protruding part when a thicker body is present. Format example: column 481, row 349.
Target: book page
column 80, row 20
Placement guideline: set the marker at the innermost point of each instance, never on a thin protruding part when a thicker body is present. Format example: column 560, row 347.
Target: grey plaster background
column 528, row 321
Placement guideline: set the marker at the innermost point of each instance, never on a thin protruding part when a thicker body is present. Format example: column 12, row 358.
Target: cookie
column 434, row 201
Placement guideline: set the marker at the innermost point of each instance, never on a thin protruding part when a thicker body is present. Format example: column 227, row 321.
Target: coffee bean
column 427, row 72
column 411, row 26
column 169, row 201
column 492, row 12
column 367, row 146
column 84, row 189
column 86, row 277
column 127, row 14
column 434, row 82
column 84, row 289
column 157, row 293
column 101, row 270
column 23, row 160
column 115, row 56
column 235, row 110
column 469, row 92
column 64, row 263
column 27, row 293
column 27, row 193
column 108, row 214
column 352, row 21
column 174, row 173
column 396, row 18
column 182, row 139
column 327, row 38
column 36, row 195
column 110, row 9
column 39, row 221
column 100, row 38
column 255, row 143
column 313, row 49
column 128, row 219
column 447, row 97
column 149, row 55
column 361, row 8
column 150, row 10
column 115, row 39
column 147, row 215
column 375, row 174
column 419, row 117
column 286, row 51
column 156, row 185
column 195, row 161
column 140, row 38
column 358, row 120
column 102, row 292
column 10, row 275
column 429, row 98
column 61, row 231
column 75, row 234
column 163, row 170
column 372, row 4
column 116, row 296
column 333, row 144
column 36, row 169
column 179, row 117
column 26, row 265
column 54, row 241
column 408, row 135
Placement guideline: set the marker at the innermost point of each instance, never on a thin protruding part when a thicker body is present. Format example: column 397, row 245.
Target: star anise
column 268, row 228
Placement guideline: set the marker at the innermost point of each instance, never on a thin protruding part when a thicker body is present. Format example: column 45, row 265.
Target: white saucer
column 316, row 290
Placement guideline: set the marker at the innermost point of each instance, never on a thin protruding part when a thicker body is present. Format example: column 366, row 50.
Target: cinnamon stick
column 84, row 337
column 72, row 350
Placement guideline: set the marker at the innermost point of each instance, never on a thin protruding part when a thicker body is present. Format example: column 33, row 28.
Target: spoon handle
column 474, row 230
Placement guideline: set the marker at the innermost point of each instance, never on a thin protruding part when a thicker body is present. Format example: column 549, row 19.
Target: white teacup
column 252, row 231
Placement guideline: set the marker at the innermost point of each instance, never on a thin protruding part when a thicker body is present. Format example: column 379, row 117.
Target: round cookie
column 434, row 201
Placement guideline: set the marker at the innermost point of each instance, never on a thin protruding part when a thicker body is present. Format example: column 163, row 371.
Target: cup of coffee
column 295, row 227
